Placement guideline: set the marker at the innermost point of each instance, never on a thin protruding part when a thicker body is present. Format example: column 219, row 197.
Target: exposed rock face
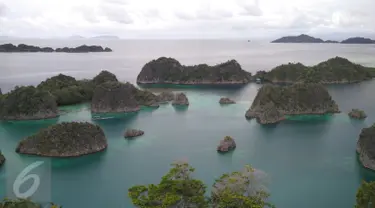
column 165, row 97
column 130, row 133
column 144, row 97
column 2, row 159
column 272, row 102
column 366, row 147
column 68, row 139
column 67, row 90
column 104, row 76
column 357, row 114
column 358, row 40
column 180, row 99
column 10, row 48
column 28, row 103
column 170, row 71
column 333, row 71
column 114, row 97
column 226, row 144
column 226, row 101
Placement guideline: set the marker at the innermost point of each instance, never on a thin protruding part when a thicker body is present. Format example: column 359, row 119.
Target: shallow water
column 310, row 162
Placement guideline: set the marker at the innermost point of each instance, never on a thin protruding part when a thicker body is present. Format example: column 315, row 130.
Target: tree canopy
column 365, row 197
column 178, row 189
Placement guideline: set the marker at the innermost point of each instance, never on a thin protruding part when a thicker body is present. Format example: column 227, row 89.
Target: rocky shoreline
column 67, row 139
column 23, row 48
column 273, row 103
column 365, row 147
column 170, row 71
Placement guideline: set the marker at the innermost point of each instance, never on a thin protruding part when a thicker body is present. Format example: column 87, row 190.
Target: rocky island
column 365, row 147
column 169, row 71
column 180, row 99
column 166, row 97
column 10, row 48
column 303, row 38
column 225, row 101
column 67, row 90
column 226, row 144
column 2, row 159
column 333, row 71
column 114, row 97
column 28, row 103
column 357, row 114
column 358, row 40
column 273, row 103
column 68, row 139
column 131, row 133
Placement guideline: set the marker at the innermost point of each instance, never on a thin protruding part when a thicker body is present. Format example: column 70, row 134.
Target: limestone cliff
column 68, row 139
column 28, row 103
column 366, row 147
column 272, row 102
column 170, row 71
column 114, row 97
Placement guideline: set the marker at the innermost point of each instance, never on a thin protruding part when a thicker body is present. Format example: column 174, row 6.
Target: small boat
column 258, row 81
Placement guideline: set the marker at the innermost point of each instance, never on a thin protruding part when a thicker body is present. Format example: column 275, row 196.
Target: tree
column 24, row 203
column 177, row 189
column 244, row 189
column 366, row 195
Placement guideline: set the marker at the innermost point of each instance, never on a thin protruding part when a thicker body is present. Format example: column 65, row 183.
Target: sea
column 309, row 162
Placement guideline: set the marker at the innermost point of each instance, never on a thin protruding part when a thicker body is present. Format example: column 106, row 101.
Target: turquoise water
column 309, row 163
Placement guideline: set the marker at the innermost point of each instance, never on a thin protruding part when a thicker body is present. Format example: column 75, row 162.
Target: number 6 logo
column 23, row 177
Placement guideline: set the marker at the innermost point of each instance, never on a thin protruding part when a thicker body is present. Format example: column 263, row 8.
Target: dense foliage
column 365, row 197
column 334, row 70
column 179, row 189
column 170, row 70
column 67, row 90
column 24, row 203
column 26, row 100
column 104, row 76
column 65, row 139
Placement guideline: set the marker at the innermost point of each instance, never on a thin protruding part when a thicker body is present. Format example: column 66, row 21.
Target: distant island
column 333, row 71
column 303, row 38
column 110, row 37
column 273, row 103
column 10, row 48
column 169, row 71
column 358, row 40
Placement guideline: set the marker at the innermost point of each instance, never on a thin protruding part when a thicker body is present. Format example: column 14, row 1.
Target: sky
column 175, row 19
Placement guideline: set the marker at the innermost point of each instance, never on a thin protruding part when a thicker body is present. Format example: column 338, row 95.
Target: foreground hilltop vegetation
column 333, row 71
column 273, row 103
column 169, row 71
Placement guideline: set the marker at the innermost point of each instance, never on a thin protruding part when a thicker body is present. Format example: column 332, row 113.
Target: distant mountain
column 298, row 39
column 76, row 37
column 358, row 40
column 331, row 41
column 112, row 37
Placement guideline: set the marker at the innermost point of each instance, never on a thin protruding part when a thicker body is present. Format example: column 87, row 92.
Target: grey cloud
column 88, row 13
column 3, row 9
column 250, row 9
column 116, row 14
column 117, row 2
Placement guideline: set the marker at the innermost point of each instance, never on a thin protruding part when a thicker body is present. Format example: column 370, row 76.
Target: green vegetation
column 179, row 189
column 228, row 138
column 67, row 90
column 365, row 197
column 104, row 76
column 170, row 70
column 2, row 159
column 334, row 70
column 26, row 101
column 23, row 203
column 69, row 139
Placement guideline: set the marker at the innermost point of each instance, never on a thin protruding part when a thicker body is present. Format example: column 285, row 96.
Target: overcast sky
column 250, row 19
